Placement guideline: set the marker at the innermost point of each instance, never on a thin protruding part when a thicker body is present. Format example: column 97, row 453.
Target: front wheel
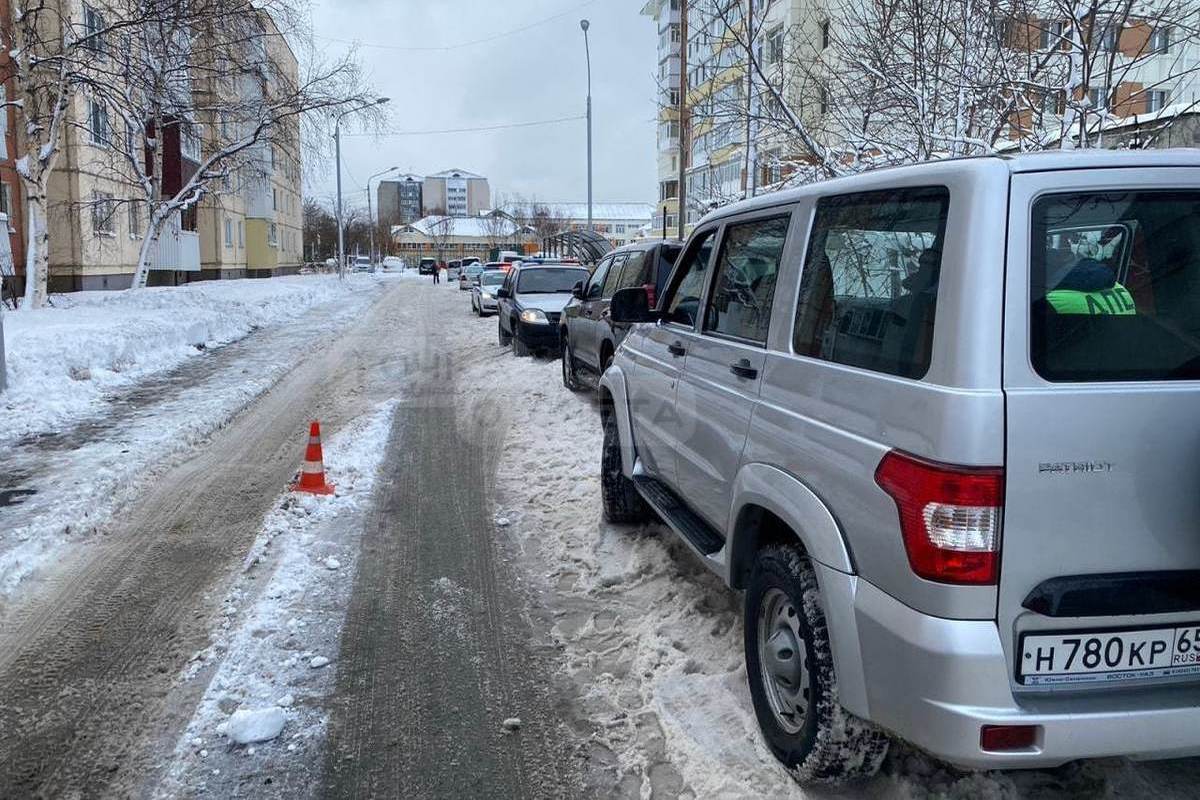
column 789, row 665
column 505, row 338
column 621, row 500
column 570, row 377
column 520, row 349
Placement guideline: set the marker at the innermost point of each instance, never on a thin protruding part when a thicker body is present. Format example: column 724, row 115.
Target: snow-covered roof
column 632, row 212
column 459, row 227
column 403, row 179
column 458, row 173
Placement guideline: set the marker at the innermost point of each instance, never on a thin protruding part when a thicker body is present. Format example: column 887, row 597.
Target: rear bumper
column 489, row 305
column 935, row 682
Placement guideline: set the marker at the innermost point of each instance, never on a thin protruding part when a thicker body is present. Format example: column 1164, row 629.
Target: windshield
column 492, row 278
column 550, row 281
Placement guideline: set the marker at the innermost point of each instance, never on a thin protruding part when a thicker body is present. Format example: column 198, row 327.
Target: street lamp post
column 370, row 211
column 337, row 138
column 588, row 50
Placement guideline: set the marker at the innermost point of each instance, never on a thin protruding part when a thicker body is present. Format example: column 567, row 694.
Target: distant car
column 427, row 266
column 363, row 264
column 468, row 274
column 331, row 264
column 531, row 303
column 393, row 264
column 589, row 336
column 483, row 292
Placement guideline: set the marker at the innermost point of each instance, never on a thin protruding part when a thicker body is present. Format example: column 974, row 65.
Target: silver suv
column 942, row 424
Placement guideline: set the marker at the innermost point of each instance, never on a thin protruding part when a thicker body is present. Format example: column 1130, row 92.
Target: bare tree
column 441, row 230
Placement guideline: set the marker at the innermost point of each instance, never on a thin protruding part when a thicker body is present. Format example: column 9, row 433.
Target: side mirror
column 577, row 291
column 631, row 305
column 502, row 293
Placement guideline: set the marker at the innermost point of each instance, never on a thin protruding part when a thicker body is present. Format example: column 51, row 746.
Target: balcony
column 177, row 250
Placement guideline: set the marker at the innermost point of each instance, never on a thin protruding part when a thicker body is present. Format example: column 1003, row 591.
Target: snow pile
column 247, row 726
column 62, row 361
column 281, row 621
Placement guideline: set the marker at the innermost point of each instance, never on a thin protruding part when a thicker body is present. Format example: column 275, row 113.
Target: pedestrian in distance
column 437, row 274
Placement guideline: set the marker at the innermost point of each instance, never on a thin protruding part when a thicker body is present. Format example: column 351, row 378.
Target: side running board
column 675, row 513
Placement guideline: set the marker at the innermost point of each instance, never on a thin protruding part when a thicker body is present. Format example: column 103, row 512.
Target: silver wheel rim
column 783, row 660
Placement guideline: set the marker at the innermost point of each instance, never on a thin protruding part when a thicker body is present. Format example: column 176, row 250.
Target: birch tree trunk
column 37, row 249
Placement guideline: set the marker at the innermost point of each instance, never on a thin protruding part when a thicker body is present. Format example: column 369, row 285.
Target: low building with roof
column 448, row 238
column 620, row 223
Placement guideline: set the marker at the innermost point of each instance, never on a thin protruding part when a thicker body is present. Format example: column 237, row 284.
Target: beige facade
column 247, row 225
column 456, row 193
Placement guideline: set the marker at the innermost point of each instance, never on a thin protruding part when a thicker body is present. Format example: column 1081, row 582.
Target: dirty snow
column 653, row 642
column 64, row 361
column 89, row 465
column 280, row 618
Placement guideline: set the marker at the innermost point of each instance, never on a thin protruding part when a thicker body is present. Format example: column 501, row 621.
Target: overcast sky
column 536, row 74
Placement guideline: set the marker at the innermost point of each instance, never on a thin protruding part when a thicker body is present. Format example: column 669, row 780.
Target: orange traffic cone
column 312, row 474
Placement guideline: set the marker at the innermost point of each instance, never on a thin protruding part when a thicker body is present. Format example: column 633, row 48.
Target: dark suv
column 531, row 301
column 589, row 337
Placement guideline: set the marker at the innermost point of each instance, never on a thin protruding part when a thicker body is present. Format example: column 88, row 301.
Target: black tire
column 831, row 745
column 504, row 337
column 569, row 376
column 621, row 500
column 520, row 349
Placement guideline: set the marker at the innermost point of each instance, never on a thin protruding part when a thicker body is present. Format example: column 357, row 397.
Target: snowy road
column 220, row 638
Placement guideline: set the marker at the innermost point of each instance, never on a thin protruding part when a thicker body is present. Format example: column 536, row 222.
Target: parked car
column 393, row 264
column 427, row 266
column 483, row 292
column 951, row 461
column 452, row 270
column 468, row 275
column 589, row 337
column 503, row 266
column 531, row 301
column 362, row 264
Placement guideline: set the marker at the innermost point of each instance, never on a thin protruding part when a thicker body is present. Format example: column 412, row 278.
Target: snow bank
column 63, row 360
column 282, row 616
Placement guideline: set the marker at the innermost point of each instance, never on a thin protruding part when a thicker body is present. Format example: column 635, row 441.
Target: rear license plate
column 1096, row 656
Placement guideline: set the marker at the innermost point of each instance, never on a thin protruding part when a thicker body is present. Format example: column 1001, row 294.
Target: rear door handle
column 743, row 369
column 677, row 349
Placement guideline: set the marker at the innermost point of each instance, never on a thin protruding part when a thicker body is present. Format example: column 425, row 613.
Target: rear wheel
column 789, row 665
column 569, row 377
column 621, row 500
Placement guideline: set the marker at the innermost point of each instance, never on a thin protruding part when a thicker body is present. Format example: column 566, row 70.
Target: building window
column 135, row 220
column 823, row 99
column 228, row 232
column 1109, row 37
column 6, row 205
column 825, row 35
column 102, row 213
column 1098, row 97
column 99, row 130
column 274, row 199
column 1051, row 36
column 1160, row 40
column 241, row 234
column 774, row 46
column 273, row 235
column 1157, row 100
column 189, row 143
column 93, row 30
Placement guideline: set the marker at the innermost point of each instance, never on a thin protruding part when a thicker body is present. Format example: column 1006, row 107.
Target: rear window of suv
column 1115, row 286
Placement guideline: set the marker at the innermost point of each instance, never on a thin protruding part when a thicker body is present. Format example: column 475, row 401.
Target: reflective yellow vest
column 1114, row 300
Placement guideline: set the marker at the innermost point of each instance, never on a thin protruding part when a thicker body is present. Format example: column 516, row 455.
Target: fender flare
column 612, row 383
column 797, row 506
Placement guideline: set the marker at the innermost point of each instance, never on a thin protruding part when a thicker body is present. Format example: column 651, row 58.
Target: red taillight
column 651, row 294
column 949, row 516
column 999, row 738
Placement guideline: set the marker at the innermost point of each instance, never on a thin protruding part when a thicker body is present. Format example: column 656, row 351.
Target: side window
column 597, row 282
column 869, row 288
column 510, row 281
column 614, row 277
column 683, row 305
column 634, row 273
column 740, row 305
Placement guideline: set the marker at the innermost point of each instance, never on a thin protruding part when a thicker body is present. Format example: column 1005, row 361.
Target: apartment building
column 455, row 193
column 246, row 226
column 398, row 201
column 1157, row 71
